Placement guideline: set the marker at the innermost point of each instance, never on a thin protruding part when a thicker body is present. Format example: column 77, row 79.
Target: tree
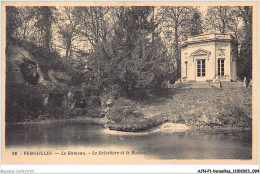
column 218, row 18
column 32, row 24
column 68, row 24
column 13, row 20
column 177, row 24
column 44, row 17
column 233, row 24
column 238, row 21
column 245, row 58
column 95, row 24
column 135, row 55
column 196, row 23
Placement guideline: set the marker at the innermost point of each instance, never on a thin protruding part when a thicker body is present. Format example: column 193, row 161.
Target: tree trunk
column 153, row 26
column 47, row 39
column 177, row 55
column 47, row 14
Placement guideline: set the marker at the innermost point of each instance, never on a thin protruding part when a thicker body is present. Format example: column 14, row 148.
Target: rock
column 58, row 77
column 204, row 119
column 106, row 109
column 166, row 127
column 68, row 101
column 216, row 84
column 109, row 102
column 29, row 72
column 45, row 99
column 173, row 127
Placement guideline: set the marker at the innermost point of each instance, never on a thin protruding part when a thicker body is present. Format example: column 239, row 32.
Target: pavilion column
column 194, row 70
column 208, row 67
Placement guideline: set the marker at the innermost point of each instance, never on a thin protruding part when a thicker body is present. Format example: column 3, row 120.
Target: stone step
column 204, row 85
column 196, row 85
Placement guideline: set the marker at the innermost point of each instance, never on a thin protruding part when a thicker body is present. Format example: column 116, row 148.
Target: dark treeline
column 127, row 47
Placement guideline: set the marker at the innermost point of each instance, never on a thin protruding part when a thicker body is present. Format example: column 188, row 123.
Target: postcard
column 129, row 82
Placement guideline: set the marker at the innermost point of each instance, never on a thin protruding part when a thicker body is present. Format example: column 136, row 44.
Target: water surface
column 161, row 145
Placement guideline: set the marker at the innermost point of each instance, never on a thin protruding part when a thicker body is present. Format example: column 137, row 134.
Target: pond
column 160, row 145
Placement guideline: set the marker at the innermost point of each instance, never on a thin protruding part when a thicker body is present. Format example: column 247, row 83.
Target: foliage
column 50, row 60
column 179, row 22
column 68, row 23
column 13, row 20
column 55, row 112
column 22, row 103
column 235, row 116
column 221, row 109
column 218, row 18
column 139, row 125
column 245, row 59
column 124, row 110
column 238, row 21
column 113, row 50
column 121, row 36
column 96, row 23
column 213, row 107
column 135, row 57
column 44, row 16
column 196, row 23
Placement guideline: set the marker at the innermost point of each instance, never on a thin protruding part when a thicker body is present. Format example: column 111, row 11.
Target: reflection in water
column 179, row 145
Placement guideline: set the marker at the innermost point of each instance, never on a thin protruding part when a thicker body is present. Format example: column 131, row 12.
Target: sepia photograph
column 145, row 82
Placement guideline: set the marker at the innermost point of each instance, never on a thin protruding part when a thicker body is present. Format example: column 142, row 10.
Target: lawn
column 230, row 107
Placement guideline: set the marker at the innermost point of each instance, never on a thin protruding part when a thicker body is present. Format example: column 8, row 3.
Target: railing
column 210, row 36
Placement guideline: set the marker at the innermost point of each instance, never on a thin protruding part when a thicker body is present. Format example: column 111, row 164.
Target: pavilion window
column 201, row 68
column 221, row 67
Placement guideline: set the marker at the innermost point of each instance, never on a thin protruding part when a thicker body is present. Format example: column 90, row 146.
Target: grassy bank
column 229, row 107
column 138, row 125
column 225, row 108
column 198, row 108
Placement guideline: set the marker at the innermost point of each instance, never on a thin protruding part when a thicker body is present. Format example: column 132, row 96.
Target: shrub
column 22, row 102
column 124, row 110
column 94, row 101
column 59, row 112
column 235, row 116
column 111, row 94
column 176, row 118
column 138, row 125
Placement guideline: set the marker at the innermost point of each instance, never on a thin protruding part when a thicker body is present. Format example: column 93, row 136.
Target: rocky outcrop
column 29, row 70
column 35, row 87
column 24, row 68
column 21, row 67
